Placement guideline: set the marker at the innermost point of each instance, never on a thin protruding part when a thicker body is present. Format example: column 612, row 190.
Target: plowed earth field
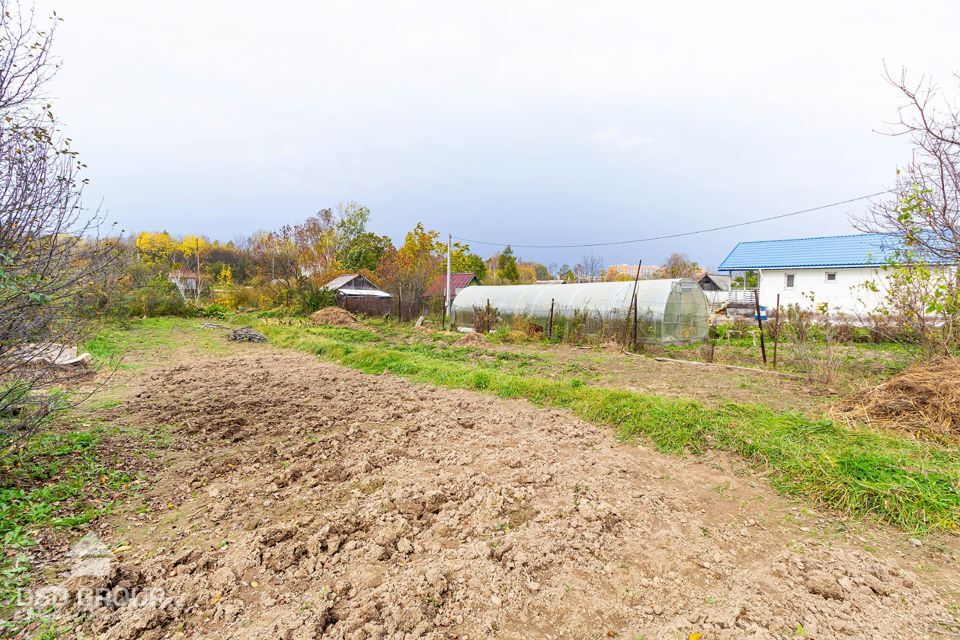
column 303, row 500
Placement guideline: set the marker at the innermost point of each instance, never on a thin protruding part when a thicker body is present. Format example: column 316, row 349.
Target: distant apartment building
column 647, row 271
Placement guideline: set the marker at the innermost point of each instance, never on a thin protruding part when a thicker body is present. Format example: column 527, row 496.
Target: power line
column 676, row 235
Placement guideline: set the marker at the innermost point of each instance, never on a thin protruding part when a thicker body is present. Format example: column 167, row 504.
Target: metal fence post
column 776, row 333
column 550, row 321
column 763, row 347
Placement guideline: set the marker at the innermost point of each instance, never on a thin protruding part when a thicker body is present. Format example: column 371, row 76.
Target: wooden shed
column 356, row 294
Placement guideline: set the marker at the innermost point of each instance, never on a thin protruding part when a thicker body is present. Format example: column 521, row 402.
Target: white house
column 813, row 271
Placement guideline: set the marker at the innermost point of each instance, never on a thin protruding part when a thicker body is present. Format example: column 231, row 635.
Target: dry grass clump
column 334, row 316
column 924, row 400
column 469, row 339
column 522, row 329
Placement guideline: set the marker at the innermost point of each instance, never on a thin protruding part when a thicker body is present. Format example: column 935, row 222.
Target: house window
column 831, row 276
column 790, row 280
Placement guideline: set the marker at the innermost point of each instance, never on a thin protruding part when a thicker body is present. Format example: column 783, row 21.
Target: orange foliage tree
column 406, row 272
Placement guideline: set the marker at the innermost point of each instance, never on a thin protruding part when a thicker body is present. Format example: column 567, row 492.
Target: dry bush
column 525, row 326
column 484, row 318
column 575, row 328
column 56, row 271
column 519, row 329
column 708, row 351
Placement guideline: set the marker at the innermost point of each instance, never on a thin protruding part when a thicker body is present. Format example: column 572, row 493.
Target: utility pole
column 449, row 292
column 197, row 279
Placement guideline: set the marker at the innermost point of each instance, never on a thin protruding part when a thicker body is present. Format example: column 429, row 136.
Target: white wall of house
column 842, row 293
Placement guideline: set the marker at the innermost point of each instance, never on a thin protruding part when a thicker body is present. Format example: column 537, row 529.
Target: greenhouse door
column 671, row 316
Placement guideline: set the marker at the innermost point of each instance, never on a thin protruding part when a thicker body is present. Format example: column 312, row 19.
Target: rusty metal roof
column 457, row 281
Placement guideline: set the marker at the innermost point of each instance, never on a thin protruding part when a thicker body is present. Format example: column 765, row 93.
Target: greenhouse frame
column 668, row 311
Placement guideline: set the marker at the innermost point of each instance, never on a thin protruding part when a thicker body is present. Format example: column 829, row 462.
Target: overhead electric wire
column 675, row 235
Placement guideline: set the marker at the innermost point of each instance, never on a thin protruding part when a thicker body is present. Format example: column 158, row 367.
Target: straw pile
column 333, row 316
column 924, row 400
column 469, row 339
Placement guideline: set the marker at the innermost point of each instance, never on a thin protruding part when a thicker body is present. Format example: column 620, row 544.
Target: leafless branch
column 53, row 260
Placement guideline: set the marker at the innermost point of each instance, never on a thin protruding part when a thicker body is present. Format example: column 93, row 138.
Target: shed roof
column 340, row 281
column 857, row 250
column 722, row 280
column 457, row 281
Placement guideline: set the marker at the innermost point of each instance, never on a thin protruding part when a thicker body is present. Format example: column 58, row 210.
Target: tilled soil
column 311, row 501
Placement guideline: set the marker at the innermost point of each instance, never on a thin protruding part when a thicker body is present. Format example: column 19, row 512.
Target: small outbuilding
column 357, row 294
column 714, row 282
column 184, row 279
column 458, row 282
column 716, row 287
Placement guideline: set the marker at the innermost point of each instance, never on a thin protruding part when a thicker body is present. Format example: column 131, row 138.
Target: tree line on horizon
column 289, row 266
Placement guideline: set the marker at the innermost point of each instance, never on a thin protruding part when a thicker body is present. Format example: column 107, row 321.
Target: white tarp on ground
column 49, row 353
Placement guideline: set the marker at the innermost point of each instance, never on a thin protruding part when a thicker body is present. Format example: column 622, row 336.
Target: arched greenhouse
column 667, row 310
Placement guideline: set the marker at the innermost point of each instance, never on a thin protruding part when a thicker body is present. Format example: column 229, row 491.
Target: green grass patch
column 135, row 342
column 49, row 480
column 913, row 485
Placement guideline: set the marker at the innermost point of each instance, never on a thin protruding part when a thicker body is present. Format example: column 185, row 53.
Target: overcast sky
column 523, row 122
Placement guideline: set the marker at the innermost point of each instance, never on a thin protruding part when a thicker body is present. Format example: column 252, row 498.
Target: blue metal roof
column 858, row 250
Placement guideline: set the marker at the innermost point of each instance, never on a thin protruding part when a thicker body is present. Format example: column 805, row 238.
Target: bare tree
column 679, row 265
column 589, row 269
column 52, row 262
column 920, row 293
column 925, row 209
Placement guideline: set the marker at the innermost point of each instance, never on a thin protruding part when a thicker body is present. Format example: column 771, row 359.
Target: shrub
column 313, row 298
column 575, row 328
column 484, row 318
column 213, row 311
column 245, row 297
column 157, row 297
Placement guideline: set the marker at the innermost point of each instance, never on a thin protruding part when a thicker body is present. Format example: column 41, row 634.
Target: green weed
column 53, row 480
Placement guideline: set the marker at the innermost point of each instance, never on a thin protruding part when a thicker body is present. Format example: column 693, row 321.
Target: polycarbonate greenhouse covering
column 670, row 310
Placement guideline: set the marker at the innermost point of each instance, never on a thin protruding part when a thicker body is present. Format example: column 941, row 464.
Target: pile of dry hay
column 924, row 400
column 333, row 316
column 471, row 338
